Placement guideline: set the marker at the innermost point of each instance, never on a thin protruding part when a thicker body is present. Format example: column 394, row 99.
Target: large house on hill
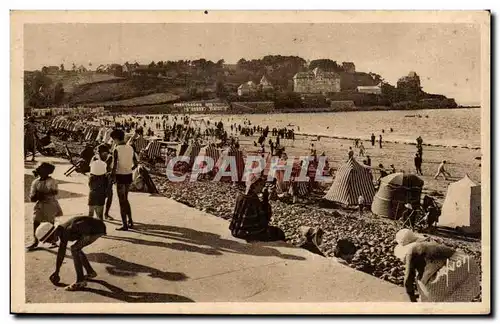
column 316, row 81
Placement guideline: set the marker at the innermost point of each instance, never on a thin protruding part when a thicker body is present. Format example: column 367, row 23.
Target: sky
column 446, row 56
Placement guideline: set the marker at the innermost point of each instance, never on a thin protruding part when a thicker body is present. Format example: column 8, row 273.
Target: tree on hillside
column 152, row 65
column 62, row 67
column 58, row 93
column 36, row 90
column 73, row 67
column 220, row 63
column 220, row 89
column 376, row 77
column 325, row 65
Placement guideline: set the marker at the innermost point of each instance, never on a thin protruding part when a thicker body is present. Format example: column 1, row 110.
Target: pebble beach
column 372, row 235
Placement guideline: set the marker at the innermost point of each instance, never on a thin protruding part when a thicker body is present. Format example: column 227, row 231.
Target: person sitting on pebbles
column 83, row 230
column 441, row 274
column 311, row 239
column 251, row 215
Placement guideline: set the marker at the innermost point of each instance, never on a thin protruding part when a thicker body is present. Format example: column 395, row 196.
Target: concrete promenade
column 179, row 254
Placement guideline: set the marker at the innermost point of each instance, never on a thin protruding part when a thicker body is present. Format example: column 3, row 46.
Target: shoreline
column 473, row 147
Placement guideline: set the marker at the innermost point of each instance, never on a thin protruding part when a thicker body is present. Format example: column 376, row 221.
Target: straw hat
column 406, row 240
column 44, row 231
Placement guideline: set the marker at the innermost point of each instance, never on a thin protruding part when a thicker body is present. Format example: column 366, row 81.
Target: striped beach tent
column 240, row 161
column 211, row 151
column 282, row 186
column 153, row 150
column 351, row 181
column 139, row 143
column 192, row 152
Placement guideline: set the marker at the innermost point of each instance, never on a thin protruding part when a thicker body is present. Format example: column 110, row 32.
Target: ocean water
column 446, row 127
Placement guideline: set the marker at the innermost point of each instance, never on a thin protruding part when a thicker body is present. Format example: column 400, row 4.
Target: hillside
column 159, row 83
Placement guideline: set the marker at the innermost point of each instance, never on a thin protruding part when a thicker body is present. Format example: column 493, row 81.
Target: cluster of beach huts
column 58, row 111
column 201, row 107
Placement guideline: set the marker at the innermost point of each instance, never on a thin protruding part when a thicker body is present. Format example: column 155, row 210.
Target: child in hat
column 99, row 181
column 83, row 231
column 44, row 193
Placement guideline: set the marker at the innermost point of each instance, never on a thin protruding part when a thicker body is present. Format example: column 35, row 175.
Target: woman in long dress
column 251, row 216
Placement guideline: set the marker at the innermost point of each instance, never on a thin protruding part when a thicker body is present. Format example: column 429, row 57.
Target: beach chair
column 152, row 153
column 78, row 164
column 416, row 220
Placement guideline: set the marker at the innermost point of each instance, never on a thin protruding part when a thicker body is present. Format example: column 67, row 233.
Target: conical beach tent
column 462, row 206
column 351, row 181
column 395, row 191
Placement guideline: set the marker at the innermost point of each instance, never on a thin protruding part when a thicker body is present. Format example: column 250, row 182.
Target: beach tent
column 192, row 152
column 462, row 206
column 211, row 151
column 396, row 190
column 351, row 180
column 239, row 158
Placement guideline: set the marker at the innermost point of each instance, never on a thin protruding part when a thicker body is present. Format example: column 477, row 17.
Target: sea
column 439, row 127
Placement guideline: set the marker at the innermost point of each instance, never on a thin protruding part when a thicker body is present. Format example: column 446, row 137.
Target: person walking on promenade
column 124, row 162
column 373, row 139
column 380, row 140
column 83, row 231
column 442, row 171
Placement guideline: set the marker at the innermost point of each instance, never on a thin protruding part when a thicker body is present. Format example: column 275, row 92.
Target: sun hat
column 406, row 240
column 44, row 231
column 405, row 236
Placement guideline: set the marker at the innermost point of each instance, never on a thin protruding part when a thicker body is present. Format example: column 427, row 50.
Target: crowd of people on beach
column 113, row 162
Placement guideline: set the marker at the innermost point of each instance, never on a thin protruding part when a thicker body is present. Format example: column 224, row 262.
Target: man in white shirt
column 124, row 162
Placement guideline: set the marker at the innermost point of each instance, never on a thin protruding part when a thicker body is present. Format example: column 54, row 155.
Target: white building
column 370, row 89
column 316, row 81
column 247, row 88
